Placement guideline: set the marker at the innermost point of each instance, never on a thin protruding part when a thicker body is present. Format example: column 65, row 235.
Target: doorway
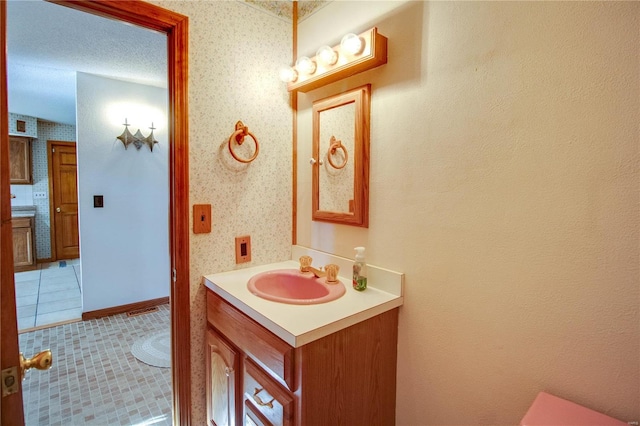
column 52, row 293
column 175, row 27
column 63, row 199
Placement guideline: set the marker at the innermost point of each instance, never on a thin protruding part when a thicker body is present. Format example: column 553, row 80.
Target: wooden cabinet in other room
column 20, row 160
column 345, row 378
column 24, row 242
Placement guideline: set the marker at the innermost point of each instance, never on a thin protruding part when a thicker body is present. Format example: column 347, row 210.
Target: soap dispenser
column 359, row 270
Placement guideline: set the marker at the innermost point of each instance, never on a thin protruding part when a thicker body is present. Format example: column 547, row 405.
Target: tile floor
column 49, row 295
column 94, row 378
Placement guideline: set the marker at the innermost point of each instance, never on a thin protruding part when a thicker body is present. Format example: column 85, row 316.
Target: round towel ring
column 238, row 136
column 335, row 144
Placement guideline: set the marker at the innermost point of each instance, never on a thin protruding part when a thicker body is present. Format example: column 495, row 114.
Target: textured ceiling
column 47, row 44
column 284, row 9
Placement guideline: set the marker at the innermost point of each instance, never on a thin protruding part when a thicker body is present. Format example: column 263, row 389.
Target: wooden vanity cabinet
column 222, row 373
column 20, row 160
column 345, row 378
column 24, row 244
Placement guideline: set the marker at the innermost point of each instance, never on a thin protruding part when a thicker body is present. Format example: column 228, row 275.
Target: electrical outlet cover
column 243, row 249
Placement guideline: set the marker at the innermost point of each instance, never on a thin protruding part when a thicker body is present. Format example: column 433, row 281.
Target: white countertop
column 300, row 324
column 23, row 211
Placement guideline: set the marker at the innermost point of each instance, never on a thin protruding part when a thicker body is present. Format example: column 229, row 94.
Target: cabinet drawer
column 257, row 342
column 21, row 222
column 253, row 416
column 265, row 396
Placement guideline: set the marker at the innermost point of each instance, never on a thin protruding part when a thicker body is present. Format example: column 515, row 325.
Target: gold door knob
column 58, row 209
column 42, row 361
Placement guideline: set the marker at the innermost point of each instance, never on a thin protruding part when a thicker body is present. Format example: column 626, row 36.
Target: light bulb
column 288, row 74
column 327, row 55
column 352, row 44
column 305, row 65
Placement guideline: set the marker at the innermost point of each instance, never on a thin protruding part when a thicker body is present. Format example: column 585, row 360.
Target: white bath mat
column 154, row 349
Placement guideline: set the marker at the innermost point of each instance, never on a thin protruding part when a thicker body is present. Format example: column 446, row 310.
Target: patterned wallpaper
column 31, row 126
column 235, row 52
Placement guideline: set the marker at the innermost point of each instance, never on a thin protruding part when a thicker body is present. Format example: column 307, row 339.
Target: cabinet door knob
column 58, row 209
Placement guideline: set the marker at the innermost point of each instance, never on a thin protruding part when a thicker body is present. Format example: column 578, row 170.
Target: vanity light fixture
column 127, row 138
column 288, row 74
column 351, row 44
column 304, row 65
column 327, row 55
column 355, row 53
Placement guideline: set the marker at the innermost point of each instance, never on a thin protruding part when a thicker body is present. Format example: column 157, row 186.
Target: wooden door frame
column 52, row 222
column 175, row 26
column 11, row 405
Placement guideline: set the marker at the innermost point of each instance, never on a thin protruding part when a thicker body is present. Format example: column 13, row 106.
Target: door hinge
column 174, row 275
column 53, row 150
column 9, row 381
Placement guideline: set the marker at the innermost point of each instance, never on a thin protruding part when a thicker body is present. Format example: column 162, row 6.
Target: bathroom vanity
column 271, row 363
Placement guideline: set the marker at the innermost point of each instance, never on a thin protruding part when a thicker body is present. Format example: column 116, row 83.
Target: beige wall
column 504, row 184
column 235, row 52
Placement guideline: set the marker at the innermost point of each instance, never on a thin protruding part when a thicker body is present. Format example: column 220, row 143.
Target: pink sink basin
column 294, row 287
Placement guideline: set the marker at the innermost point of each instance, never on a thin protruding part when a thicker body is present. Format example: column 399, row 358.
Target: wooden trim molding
column 294, row 108
column 176, row 27
column 99, row 313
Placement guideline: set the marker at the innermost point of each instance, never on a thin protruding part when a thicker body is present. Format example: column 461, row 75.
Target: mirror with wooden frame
column 340, row 160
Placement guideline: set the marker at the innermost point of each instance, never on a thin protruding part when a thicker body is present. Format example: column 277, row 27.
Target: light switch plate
column 201, row 218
